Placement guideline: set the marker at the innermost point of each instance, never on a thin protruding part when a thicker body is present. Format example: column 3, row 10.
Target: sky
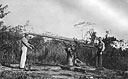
column 60, row 16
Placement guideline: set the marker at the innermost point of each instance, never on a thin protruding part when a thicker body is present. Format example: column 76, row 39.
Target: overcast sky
column 60, row 16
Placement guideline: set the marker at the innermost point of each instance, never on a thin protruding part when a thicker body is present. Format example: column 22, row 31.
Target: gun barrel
column 60, row 38
column 54, row 37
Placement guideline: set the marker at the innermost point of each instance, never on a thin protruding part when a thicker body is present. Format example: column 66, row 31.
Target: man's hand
column 101, row 52
column 32, row 46
column 29, row 47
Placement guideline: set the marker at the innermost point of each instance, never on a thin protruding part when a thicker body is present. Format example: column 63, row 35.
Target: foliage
column 10, row 44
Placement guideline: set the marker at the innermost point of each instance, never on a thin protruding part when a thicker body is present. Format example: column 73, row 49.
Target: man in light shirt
column 25, row 46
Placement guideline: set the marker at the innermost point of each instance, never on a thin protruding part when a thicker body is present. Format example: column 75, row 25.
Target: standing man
column 25, row 46
column 100, row 49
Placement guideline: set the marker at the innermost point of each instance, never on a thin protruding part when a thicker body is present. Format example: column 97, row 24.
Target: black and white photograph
column 63, row 39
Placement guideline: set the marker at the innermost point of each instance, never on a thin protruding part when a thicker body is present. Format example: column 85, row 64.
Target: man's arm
column 103, row 46
column 25, row 42
column 27, row 45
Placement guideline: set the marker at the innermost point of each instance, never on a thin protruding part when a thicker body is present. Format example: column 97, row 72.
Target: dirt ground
column 54, row 72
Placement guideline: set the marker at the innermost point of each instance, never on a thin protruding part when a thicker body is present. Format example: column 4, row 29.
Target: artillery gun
column 78, row 41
